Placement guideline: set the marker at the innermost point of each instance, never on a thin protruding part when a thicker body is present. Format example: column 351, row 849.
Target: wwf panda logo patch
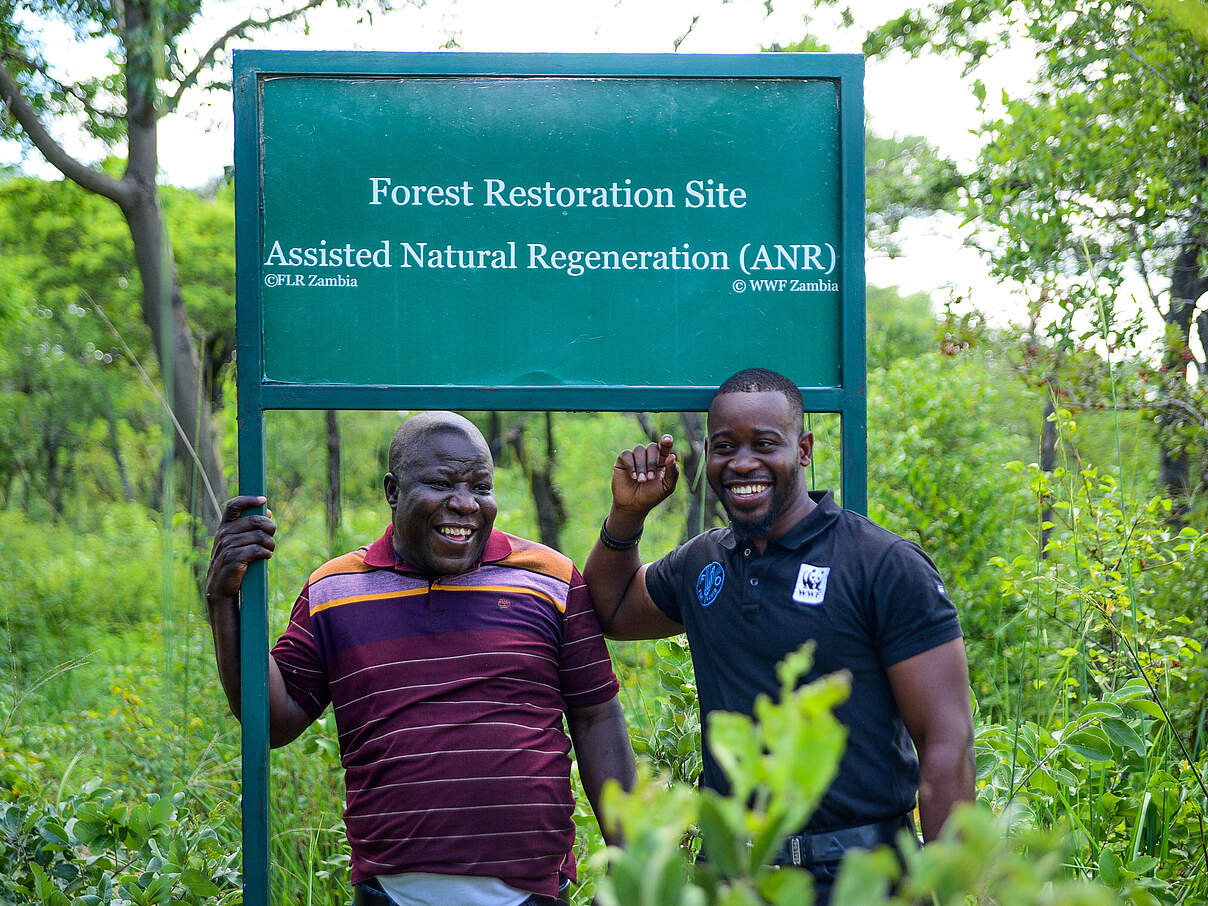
column 811, row 584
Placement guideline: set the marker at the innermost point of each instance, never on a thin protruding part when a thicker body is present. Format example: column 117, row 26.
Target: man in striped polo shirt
column 449, row 652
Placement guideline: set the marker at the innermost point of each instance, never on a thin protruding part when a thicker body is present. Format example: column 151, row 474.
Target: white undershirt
column 421, row 888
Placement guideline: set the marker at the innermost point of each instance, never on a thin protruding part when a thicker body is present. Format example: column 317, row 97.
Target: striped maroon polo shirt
column 448, row 697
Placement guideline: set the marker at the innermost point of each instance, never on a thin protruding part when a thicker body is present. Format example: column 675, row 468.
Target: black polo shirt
column 867, row 597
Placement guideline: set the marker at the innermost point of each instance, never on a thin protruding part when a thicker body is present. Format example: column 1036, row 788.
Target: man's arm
column 641, row 479
column 932, row 692
column 603, row 752
column 241, row 540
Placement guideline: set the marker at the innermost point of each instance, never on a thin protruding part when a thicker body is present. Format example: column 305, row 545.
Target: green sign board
column 536, row 231
column 508, row 232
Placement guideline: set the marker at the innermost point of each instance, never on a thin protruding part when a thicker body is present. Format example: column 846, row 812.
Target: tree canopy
column 77, row 414
column 151, row 68
column 1101, row 171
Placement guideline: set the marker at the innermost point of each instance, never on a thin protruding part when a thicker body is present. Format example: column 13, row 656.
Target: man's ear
column 805, row 448
column 390, row 486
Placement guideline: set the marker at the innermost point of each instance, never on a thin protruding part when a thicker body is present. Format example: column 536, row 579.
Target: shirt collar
column 822, row 515
column 819, row 518
column 382, row 555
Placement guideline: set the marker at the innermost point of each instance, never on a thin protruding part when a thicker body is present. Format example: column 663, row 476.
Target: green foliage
column 939, row 426
column 780, row 764
column 61, row 371
column 905, row 177
column 671, row 742
column 1104, row 683
column 73, row 408
column 899, row 327
column 157, row 823
column 62, row 595
column 103, row 846
column 977, row 859
column 1106, row 774
column 1108, row 599
column 1192, row 15
column 1097, row 174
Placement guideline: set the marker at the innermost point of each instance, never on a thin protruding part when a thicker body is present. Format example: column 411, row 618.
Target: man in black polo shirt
column 794, row 566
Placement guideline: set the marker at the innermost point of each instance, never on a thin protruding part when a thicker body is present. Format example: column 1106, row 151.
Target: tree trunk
column 50, row 452
column 495, row 436
column 1187, row 283
column 180, row 368
column 163, row 307
column 702, row 502
column 115, row 449
column 551, row 515
column 1201, row 325
column 334, row 491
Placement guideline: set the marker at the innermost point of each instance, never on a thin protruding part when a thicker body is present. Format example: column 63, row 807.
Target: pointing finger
column 666, row 442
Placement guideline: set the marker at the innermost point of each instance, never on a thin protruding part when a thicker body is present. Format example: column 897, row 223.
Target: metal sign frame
column 257, row 395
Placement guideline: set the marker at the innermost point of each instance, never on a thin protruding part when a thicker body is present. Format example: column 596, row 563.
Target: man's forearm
column 604, row 753
column 286, row 717
column 224, row 625
column 608, row 572
column 946, row 777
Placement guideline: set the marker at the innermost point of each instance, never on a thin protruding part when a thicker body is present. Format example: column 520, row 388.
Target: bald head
column 441, row 492
column 415, row 434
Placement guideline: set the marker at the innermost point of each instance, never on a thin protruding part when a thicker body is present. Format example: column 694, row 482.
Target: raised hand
column 644, row 477
column 240, row 540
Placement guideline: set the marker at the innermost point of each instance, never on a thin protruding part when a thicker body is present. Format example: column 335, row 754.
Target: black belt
column 829, row 846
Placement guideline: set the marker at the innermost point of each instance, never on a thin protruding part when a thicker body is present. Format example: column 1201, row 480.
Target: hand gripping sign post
column 569, row 232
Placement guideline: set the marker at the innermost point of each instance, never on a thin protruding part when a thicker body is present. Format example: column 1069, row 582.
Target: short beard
column 757, row 527
column 746, row 529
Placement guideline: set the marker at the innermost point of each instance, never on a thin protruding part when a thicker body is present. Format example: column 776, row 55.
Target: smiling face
column 756, row 453
column 440, row 488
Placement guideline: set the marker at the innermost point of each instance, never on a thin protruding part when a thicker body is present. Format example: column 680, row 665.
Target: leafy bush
column 103, row 845
column 1103, row 686
column 978, row 859
column 780, row 764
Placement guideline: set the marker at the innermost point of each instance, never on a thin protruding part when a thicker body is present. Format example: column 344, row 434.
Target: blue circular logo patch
column 709, row 583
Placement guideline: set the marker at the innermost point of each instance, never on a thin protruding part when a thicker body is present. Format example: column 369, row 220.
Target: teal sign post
column 537, row 232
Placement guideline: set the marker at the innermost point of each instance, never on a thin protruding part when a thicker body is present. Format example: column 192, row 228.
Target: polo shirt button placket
column 749, row 584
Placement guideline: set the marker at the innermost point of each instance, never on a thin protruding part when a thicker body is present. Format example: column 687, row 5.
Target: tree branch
column 73, row 91
column 1169, row 404
column 1186, row 407
column 90, row 179
column 236, row 31
column 1191, row 93
column 647, row 426
column 675, row 45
